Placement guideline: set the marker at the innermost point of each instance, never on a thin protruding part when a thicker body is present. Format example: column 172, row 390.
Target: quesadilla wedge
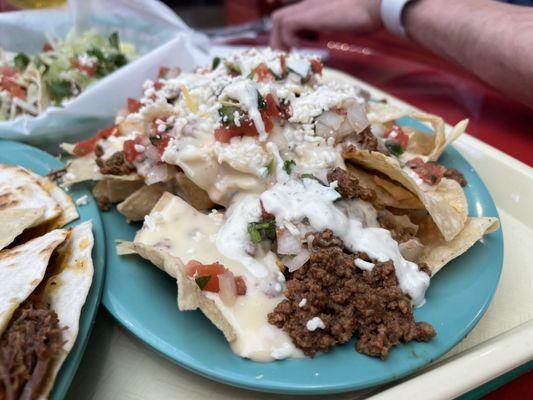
column 28, row 200
column 41, row 296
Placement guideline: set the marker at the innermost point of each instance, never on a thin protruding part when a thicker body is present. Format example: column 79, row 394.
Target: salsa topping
column 206, row 276
column 397, row 141
column 87, row 146
column 430, row 172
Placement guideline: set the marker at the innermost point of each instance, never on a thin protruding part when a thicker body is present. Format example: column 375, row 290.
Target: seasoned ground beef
column 348, row 185
column 452, row 173
column 114, row 165
column 27, row 348
column 424, row 268
column 400, row 233
column 348, row 301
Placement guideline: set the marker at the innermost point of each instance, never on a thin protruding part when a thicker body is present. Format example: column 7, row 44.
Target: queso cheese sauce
column 259, row 133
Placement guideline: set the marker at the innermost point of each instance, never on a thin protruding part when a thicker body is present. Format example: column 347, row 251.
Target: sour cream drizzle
column 294, row 200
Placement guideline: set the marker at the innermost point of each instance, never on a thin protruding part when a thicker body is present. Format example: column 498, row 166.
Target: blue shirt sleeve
column 519, row 2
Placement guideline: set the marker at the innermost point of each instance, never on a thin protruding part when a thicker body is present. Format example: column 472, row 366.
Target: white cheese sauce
column 176, row 229
column 295, row 200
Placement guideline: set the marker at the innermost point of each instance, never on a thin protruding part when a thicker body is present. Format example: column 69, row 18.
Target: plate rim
column 92, row 304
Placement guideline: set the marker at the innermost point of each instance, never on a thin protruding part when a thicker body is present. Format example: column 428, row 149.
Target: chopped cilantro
column 40, row 64
column 202, row 281
column 215, row 63
column 311, row 176
column 59, row 90
column 114, row 40
column 233, row 68
column 21, row 61
column 227, row 113
column 395, row 148
column 261, row 230
column 287, row 166
column 107, row 63
column 270, row 166
column 261, row 102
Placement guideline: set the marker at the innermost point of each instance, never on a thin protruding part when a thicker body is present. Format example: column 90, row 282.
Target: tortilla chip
column 15, row 221
column 111, row 191
column 437, row 252
column 22, row 269
column 84, row 168
column 190, row 297
column 446, row 202
column 195, row 196
column 67, row 288
column 139, row 204
column 124, row 248
column 427, row 146
column 388, row 192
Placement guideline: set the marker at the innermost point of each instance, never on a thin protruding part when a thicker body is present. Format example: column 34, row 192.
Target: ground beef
column 27, row 348
column 452, row 173
column 398, row 232
column 348, row 185
column 114, row 165
column 424, row 268
column 349, row 301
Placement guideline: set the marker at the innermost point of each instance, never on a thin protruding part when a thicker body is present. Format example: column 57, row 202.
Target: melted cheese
column 179, row 229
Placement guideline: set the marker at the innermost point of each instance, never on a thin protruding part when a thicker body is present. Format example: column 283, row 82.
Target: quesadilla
column 294, row 211
column 28, row 200
column 43, row 286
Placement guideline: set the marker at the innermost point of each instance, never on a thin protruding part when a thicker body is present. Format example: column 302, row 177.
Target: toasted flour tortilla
column 445, row 202
column 67, row 288
column 22, row 269
column 21, row 189
column 15, row 221
column 63, row 281
column 28, row 200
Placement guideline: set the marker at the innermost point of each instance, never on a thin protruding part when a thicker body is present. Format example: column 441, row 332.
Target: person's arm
column 492, row 39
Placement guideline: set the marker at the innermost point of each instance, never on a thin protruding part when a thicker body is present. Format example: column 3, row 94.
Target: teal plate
column 143, row 300
column 42, row 163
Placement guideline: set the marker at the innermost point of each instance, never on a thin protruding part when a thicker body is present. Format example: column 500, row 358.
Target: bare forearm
column 493, row 40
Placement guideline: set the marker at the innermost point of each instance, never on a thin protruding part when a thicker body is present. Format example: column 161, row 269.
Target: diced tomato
column 47, row 47
column 90, row 71
column 263, row 73
column 241, row 286
column 163, row 71
column 283, row 65
column 266, row 120
column 159, row 140
column 133, row 105
column 158, row 85
column 87, row 146
column 224, row 133
column 130, row 151
column 285, row 110
column 316, row 66
column 397, row 135
column 195, row 269
column 429, row 172
column 272, row 109
column 7, row 82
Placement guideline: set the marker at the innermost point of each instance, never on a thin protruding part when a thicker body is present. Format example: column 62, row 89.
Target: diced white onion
column 356, row 115
column 288, row 243
column 297, row 261
column 228, row 288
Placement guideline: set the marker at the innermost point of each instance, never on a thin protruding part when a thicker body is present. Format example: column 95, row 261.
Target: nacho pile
column 294, row 211
column 46, row 272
